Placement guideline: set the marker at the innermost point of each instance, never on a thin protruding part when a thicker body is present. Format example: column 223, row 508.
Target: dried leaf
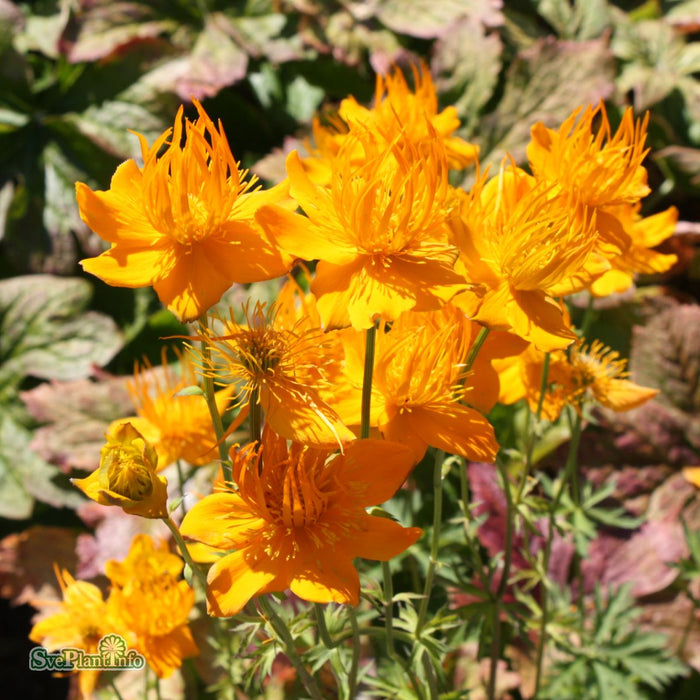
column 665, row 354
column 78, row 414
column 105, row 27
column 27, row 563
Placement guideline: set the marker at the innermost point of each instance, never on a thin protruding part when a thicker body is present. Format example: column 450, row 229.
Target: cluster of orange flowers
column 462, row 292
column 148, row 606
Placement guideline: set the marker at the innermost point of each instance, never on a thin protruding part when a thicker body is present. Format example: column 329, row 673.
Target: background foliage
column 77, row 75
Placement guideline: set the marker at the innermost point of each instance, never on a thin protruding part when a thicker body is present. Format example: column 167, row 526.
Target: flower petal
column 221, row 520
column 374, row 469
column 381, row 538
column 232, row 582
column 331, row 579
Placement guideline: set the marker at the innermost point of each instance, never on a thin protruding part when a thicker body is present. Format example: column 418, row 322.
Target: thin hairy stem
column 285, row 636
column 210, row 396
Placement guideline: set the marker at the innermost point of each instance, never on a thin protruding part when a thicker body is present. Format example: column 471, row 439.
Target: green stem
column 474, row 350
column 473, row 550
column 370, row 337
column 255, row 415
column 388, row 608
column 355, row 663
column 181, row 480
column 503, row 583
column 323, row 630
column 430, row 677
column 435, row 541
column 114, row 687
column 533, row 434
column 185, row 552
column 569, row 475
column 285, row 635
column 210, row 396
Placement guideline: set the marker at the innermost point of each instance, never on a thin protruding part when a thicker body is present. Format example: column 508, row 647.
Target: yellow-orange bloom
column 594, row 167
column 82, row 620
column 419, row 385
column 520, row 246
column 638, row 258
column 298, row 519
column 154, row 604
column 184, row 222
column 127, row 475
column 592, row 372
column 178, row 427
column 379, row 231
column 281, row 361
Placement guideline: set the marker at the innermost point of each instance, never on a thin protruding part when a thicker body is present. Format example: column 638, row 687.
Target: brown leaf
column 27, row 563
column 78, row 414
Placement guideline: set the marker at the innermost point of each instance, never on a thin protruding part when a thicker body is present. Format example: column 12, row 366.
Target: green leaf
column 46, row 333
column 24, row 476
column 546, row 84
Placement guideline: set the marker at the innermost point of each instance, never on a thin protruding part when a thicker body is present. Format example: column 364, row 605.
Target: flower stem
column 117, row 694
column 503, row 583
column 355, row 663
column 569, row 474
column 370, row 337
column 185, row 552
column 181, row 480
column 532, row 434
column 388, row 608
column 323, row 630
column 435, row 541
column 474, row 350
column 255, row 415
column 285, row 635
column 210, row 396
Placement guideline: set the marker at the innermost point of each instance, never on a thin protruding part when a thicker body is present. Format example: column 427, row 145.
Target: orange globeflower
column 396, row 107
column 592, row 372
column 82, row 620
column 184, row 222
column 282, row 363
column 297, row 520
column 419, row 385
column 127, row 475
column 178, row 427
column 379, row 231
column 597, row 168
column 645, row 233
column 521, row 246
column 154, row 604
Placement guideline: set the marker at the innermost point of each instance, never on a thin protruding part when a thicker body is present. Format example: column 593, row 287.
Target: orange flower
column 153, row 604
column 592, row 372
column 82, row 620
column 379, row 231
column 282, row 362
column 419, row 385
column 521, row 246
column 127, row 475
column 645, row 233
column 178, row 427
column 297, row 520
column 184, row 222
column 596, row 168
column 396, row 107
